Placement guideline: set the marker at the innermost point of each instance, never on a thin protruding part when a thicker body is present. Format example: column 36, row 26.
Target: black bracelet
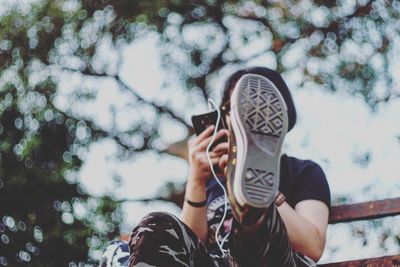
column 196, row 204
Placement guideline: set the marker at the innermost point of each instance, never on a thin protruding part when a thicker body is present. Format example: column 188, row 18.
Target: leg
column 161, row 239
column 265, row 243
column 115, row 255
column 258, row 124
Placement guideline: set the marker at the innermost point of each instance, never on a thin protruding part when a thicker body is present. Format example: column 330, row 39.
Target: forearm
column 195, row 218
column 303, row 235
column 199, row 171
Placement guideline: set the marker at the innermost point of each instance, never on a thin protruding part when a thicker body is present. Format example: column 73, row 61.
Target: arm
column 194, row 217
column 306, row 226
column 199, row 172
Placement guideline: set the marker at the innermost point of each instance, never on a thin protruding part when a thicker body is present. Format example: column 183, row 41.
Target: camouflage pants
column 162, row 240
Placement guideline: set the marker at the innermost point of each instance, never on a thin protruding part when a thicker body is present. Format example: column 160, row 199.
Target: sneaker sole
column 260, row 123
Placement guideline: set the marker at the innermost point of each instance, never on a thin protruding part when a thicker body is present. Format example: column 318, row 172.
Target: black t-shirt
column 303, row 179
column 299, row 180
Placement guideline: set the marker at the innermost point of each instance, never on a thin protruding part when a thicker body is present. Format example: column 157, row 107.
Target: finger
column 221, row 153
column 207, row 132
column 223, row 161
column 214, row 160
column 212, row 154
column 203, row 144
column 221, row 148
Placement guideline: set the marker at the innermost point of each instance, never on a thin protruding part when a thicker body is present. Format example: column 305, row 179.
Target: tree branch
column 99, row 133
column 308, row 30
column 159, row 108
column 132, row 91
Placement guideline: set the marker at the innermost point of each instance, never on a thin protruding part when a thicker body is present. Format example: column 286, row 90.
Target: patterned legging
column 163, row 240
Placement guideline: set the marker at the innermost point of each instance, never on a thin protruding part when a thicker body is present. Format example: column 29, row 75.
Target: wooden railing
column 366, row 211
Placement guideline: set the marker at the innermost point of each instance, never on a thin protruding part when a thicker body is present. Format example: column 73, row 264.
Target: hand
column 222, row 150
column 199, row 167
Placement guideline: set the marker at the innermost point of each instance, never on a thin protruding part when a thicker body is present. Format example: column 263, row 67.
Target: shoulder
column 303, row 169
column 297, row 165
column 309, row 180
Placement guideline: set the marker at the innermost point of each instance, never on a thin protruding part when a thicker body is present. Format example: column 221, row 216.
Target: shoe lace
column 219, row 243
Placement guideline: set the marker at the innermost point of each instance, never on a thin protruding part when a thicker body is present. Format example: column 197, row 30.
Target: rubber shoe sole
column 259, row 120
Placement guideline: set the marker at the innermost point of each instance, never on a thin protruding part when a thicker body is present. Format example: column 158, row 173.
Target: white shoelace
column 219, row 243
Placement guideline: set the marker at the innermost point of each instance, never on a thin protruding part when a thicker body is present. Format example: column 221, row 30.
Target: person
column 278, row 207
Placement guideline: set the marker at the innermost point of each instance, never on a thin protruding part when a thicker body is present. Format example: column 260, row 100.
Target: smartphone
column 203, row 121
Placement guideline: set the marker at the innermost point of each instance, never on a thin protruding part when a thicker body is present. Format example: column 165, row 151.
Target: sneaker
column 258, row 125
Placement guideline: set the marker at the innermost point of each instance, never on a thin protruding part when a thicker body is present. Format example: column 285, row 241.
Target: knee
column 116, row 251
column 155, row 224
column 157, row 219
column 159, row 216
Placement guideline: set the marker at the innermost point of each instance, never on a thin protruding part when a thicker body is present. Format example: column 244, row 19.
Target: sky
column 334, row 129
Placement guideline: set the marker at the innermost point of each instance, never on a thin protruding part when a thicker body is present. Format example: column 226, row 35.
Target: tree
column 47, row 46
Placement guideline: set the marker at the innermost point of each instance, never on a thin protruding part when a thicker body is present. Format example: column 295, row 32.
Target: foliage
column 46, row 46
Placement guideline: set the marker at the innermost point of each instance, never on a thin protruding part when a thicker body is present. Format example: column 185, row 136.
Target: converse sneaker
column 258, row 125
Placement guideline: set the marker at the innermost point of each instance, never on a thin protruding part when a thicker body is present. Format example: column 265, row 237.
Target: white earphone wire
column 219, row 243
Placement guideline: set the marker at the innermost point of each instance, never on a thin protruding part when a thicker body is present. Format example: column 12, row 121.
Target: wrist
column 279, row 199
column 195, row 180
column 195, row 190
column 198, row 204
column 193, row 186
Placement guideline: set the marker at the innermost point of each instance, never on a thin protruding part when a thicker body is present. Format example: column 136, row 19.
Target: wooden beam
column 380, row 261
column 365, row 210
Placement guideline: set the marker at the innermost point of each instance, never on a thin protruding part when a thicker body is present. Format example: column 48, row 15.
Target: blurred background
column 96, row 98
